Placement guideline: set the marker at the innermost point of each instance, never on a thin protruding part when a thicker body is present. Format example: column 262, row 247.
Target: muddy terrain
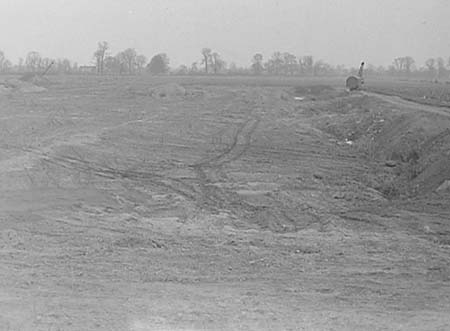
column 144, row 204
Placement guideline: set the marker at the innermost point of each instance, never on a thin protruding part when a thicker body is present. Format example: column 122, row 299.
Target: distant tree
column 342, row 70
column 409, row 62
column 100, row 55
column 33, row 61
column 290, row 64
column 307, row 64
column 181, row 70
column 233, row 68
column 206, row 52
column 20, row 64
column 129, row 59
column 5, row 64
column 430, row 64
column 166, row 60
column 381, row 70
column 257, row 64
column 159, row 64
column 282, row 64
column 392, row 70
column 194, row 68
column 217, row 63
column 398, row 64
column 63, row 66
column 275, row 64
column 122, row 63
column 141, row 61
column 321, row 68
column 2, row 59
column 112, row 64
column 47, row 63
column 441, row 71
column 403, row 64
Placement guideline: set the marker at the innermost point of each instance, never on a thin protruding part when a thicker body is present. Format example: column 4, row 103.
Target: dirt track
column 396, row 100
column 228, row 208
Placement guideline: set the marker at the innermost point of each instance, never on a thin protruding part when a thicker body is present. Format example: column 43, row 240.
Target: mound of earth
column 35, row 79
column 315, row 92
column 167, row 91
column 17, row 85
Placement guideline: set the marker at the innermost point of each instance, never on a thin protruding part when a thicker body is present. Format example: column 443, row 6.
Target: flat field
column 222, row 203
column 426, row 92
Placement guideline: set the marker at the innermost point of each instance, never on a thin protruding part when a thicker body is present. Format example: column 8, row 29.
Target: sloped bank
column 408, row 147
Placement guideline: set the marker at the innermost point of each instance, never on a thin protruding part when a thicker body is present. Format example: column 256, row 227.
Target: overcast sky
column 337, row 31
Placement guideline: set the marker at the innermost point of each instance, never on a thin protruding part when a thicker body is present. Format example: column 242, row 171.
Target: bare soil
column 222, row 204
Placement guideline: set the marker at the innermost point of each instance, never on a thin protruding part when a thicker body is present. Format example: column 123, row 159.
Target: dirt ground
column 222, row 204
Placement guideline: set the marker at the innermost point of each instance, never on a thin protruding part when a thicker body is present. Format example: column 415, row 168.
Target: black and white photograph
column 239, row 165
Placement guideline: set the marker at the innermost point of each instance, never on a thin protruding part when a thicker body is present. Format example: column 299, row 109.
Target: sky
column 336, row 31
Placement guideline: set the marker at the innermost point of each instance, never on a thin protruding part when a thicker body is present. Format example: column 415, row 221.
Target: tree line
column 127, row 61
column 211, row 62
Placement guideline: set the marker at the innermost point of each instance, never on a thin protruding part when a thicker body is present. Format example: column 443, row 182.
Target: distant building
column 87, row 69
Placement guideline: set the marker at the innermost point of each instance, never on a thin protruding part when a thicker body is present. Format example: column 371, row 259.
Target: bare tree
column 194, row 68
column 33, row 61
column 431, row 67
column 409, row 62
column 430, row 64
column 257, row 64
column 217, row 63
column 141, row 61
column 398, row 64
column 403, row 64
column 46, row 62
column 307, row 64
column 112, row 64
column 321, row 68
column 440, row 64
column 2, row 59
column 5, row 64
column 130, row 58
column 100, row 55
column 206, row 52
column 275, row 64
column 127, row 60
column 63, row 66
column 233, row 68
column 20, row 64
column 290, row 63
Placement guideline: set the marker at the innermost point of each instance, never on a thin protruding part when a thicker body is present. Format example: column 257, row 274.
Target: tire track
column 72, row 163
column 244, row 130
